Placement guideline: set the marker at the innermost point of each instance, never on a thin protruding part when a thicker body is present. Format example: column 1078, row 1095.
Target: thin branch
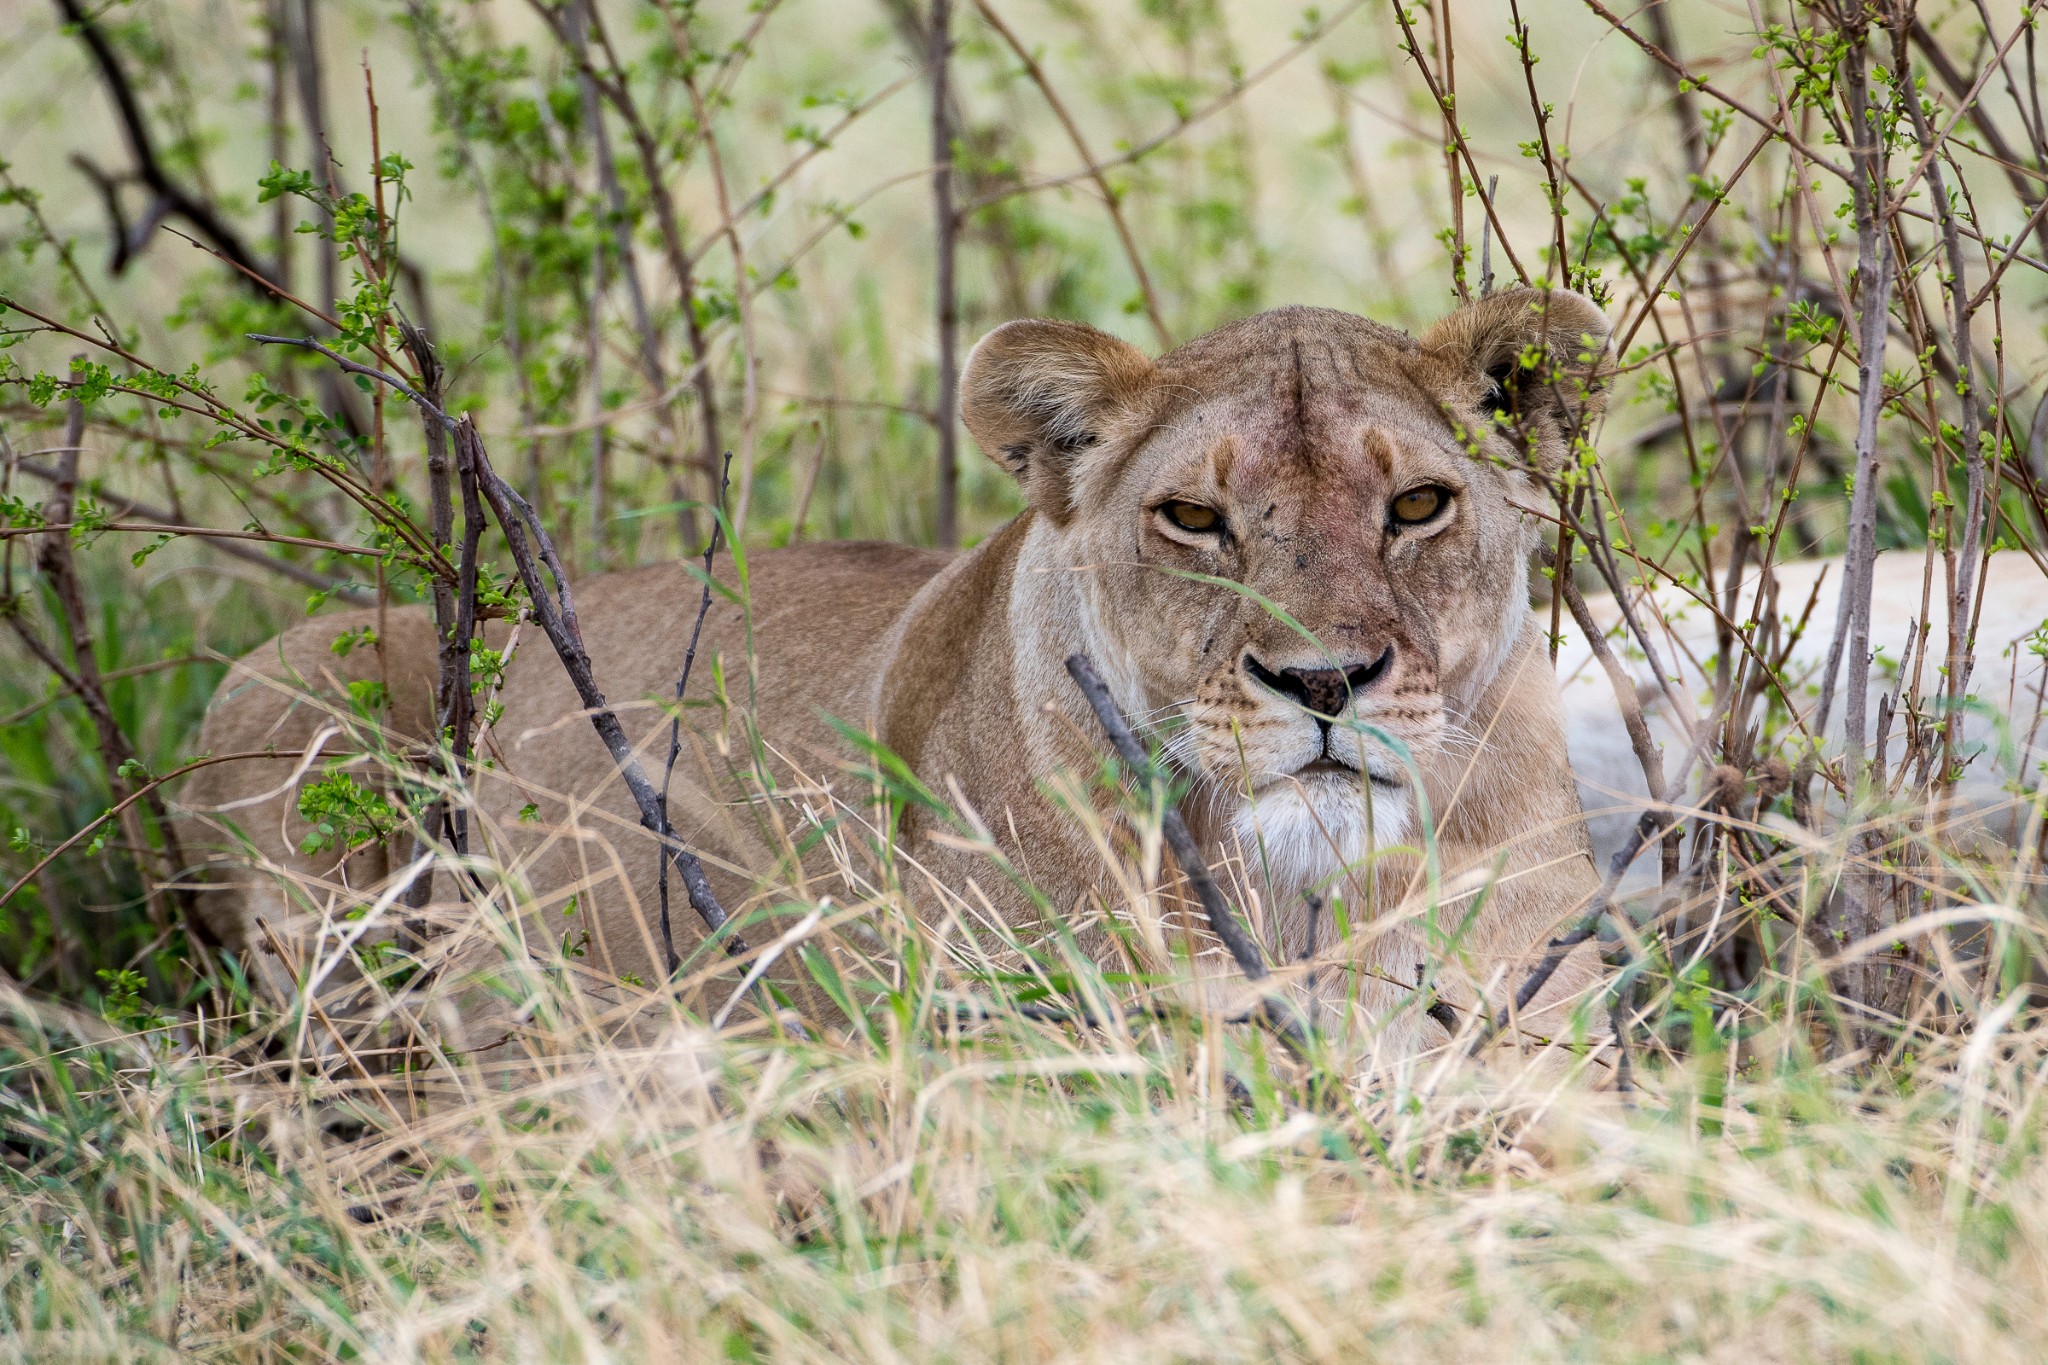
column 178, row 528
column 675, row 720
column 1111, row 199
column 1625, row 697
column 115, row 811
column 1663, row 59
column 939, row 59
column 1314, row 34
column 155, row 518
column 1223, row 921
column 1446, row 104
column 556, row 613
column 420, row 400
column 148, row 168
column 68, row 687
column 580, row 16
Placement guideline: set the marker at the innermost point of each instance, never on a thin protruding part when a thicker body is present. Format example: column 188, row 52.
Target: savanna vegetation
column 306, row 302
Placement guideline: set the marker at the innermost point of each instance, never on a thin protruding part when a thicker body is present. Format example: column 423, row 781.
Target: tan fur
column 1299, row 426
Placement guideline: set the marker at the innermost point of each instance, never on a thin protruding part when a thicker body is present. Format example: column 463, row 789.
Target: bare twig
column 114, row 812
column 111, row 675
column 1222, row 919
column 556, row 613
column 1457, row 151
column 302, row 34
column 1699, row 82
column 750, row 358
column 1874, row 277
column 946, row 516
column 575, row 29
column 1312, row 34
column 675, row 720
column 569, row 26
column 1112, row 200
column 425, row 404
column 1624, row 686
column 179, row 528
column 81, row 675
column 203, row 217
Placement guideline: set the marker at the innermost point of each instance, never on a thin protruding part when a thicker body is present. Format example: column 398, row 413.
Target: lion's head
column 1297, row 536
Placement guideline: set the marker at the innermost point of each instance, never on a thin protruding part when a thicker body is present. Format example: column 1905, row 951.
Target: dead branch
column 1312, row 33
column 81, row 676
column 556, row 612
column 675, row 720
column 939, row 61
column 1222, row 920
column 146, row 790
column 174, row 198
column 157, row 519
column 1112, row 201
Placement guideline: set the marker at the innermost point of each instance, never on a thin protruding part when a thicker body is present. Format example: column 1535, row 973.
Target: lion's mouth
column 1326, row 768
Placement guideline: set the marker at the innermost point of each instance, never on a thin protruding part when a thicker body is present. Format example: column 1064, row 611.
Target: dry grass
column 1011, row 1191
column 915, row 1184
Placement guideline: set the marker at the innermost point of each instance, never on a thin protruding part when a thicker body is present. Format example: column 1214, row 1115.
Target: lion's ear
column 1036, row 394
column 1542, row 354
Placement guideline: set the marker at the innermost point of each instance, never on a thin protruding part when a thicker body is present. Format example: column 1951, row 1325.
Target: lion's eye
column 1192, row 516
column 1418, row 505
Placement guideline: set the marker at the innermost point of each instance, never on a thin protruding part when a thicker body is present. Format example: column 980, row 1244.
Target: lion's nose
column 1325, row 691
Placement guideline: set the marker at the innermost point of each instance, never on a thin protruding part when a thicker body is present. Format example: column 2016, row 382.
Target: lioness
column 1293, row 549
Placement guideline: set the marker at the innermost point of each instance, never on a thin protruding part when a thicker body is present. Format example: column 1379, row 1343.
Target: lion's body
column 1299, row 427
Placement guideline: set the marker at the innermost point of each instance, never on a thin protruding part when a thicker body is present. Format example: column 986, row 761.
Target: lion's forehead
column 1329, row 445
column 1277, row 407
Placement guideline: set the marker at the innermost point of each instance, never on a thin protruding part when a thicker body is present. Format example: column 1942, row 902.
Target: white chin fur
column 1312, row 830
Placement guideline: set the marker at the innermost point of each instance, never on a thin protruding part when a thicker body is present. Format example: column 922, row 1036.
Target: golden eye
column 1418, row 505
column 1192, row 516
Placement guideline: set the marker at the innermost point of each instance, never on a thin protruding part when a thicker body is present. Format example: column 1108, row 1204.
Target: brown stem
column 618, row 211
column 1223, row 921
column 750, row 363
column 82, row 677
column 1625, row 697
column 567, row 25
column 939, row 59
column 148, row 168
column 1456, row 150
column 1873, row 266
column 303, row 30
column 1541, row 113
column 1111, row 199
column 1777, row 126
column 1314, row 34
column 556, row 613
column 114, row 812
column 675, row 720
column 2025, row 185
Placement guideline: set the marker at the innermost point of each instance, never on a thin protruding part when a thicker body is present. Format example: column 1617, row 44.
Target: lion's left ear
column 1541, row 353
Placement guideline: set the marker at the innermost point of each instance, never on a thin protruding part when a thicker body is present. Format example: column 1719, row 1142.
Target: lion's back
column 795, row 646
column 810, row 618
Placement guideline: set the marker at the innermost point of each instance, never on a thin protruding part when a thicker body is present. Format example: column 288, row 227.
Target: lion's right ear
column 1035, row 394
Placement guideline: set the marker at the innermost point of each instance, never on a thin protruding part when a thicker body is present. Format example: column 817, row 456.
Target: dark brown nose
column 1324, row 691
